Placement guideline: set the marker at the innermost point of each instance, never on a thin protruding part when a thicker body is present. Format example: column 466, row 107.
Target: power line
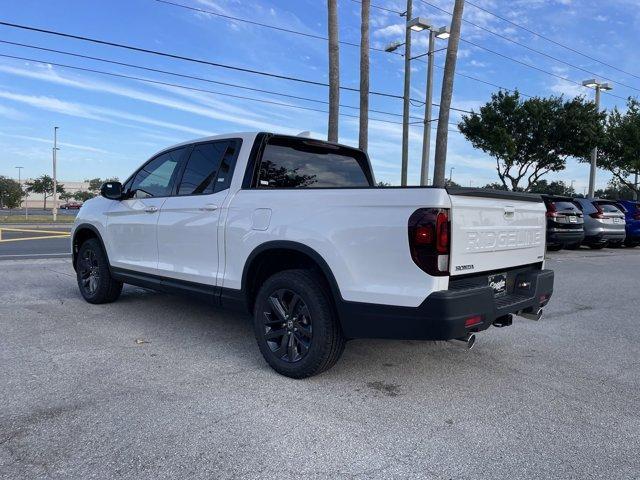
column 181, row 75
column 201, row 61
column 188, row 59
column 175, row 85
column 507, row 57
column 555, row 42
column 259, row 24
column 539, row 52
column 319, row 37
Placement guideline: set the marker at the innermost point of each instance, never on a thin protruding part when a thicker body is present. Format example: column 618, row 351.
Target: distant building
column 36, row 200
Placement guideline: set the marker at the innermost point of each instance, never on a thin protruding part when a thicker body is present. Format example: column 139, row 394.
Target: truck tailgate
column 485, row 223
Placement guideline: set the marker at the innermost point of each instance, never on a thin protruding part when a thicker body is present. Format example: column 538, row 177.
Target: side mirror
column 111, row 190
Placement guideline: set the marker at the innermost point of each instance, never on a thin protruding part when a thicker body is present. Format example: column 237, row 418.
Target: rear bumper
column 566, row 237
column 443, row 314
column 605, row 236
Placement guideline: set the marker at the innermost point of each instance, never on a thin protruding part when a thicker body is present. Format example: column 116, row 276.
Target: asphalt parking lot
column 157, row 386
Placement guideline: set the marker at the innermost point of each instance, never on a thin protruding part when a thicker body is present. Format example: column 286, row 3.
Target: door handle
column 151, row 209
column 209, row 207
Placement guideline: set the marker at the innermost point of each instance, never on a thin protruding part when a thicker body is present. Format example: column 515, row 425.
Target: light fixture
column 418, row 24
column 443, row 32
column 591, row 83
column 606, row 86
column 393, row 46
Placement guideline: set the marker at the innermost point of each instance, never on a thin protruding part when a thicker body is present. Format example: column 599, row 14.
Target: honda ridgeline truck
column 296, row 232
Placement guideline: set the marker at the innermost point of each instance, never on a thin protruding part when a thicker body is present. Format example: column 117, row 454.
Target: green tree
column 83, row 196
column 44, row 186
column 557, row 187
column 616, row 190
column 530, row 138
column 11, row 193
column 495, row 186
column 66, row 196
column 96, row 183
column 620, row 151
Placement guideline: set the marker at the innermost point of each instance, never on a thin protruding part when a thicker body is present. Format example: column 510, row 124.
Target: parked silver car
column 604, row 222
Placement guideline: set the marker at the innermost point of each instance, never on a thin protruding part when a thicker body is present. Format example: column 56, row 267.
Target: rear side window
column 296, row 163
column 565, row 205
column 156, row 177
column 209, row 168
column 609, row 208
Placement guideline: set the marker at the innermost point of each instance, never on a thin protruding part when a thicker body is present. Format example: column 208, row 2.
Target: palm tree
column 334, row 71
column 445, row 97
column 363, row 137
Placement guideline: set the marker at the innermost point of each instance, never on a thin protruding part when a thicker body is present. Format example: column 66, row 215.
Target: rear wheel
column 295, row 325
column 597, row 246
column 573, row 246
column 94, row 278
column 554, row 248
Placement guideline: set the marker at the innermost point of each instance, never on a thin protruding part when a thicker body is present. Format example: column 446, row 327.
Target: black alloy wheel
column 288, row 327
column 296, row 324
column 93, row 274
column 89, row 272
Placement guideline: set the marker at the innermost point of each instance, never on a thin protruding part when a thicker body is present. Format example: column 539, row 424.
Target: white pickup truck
column 295, row 231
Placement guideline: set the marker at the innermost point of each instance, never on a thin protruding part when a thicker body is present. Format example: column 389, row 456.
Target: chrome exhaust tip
column 532, row 315
column 469, row 340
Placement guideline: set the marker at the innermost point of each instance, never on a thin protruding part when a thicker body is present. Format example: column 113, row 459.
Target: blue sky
column 109, row 125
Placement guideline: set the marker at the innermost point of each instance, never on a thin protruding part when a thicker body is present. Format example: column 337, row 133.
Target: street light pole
column 55, row 178
column 426, row 133
column 406, row 95
column 451, row 174
column 443, row 33
column 598, row 86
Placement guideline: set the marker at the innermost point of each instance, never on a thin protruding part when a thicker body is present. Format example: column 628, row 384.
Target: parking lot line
column 31, row 230
column 65, row 235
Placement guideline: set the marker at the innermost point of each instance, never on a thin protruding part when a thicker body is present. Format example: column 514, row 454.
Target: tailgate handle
column 509, row 211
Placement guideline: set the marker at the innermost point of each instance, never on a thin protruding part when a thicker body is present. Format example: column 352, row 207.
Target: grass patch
column 48, row 219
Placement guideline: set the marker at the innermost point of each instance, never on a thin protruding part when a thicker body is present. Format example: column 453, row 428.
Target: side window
column 294, row 163
column 155, row 178
column 209, row 168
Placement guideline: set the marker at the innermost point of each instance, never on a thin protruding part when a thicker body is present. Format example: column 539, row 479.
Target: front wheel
column 295, row 325
column 94, row 278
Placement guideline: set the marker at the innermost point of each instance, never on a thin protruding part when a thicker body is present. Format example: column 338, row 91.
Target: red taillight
column 424, row 235
column 599, row 213
column 473, row 321
column 442, row 233
column 552, row 211
column 429, row 240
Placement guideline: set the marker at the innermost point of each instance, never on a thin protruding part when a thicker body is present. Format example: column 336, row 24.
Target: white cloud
column 390, row 31
column 93, row 113
column 11, row 113
column 62, row 144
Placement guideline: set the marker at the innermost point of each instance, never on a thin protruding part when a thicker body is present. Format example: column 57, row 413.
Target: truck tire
column 295, row 324
column 92, row 272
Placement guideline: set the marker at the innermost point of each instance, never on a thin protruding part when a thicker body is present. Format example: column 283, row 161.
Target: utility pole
column 363, row 136
column 406, row 95
column 451, row 174
column 55, row 178
column 20, row 183
column 598, row 86
column 442, row 134
column 334, row 71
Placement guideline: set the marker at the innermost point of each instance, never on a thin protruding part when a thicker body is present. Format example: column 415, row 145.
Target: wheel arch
column 278, row 255
column 81, row 234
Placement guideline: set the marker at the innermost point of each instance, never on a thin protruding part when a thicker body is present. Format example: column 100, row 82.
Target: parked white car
column 295, row 231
